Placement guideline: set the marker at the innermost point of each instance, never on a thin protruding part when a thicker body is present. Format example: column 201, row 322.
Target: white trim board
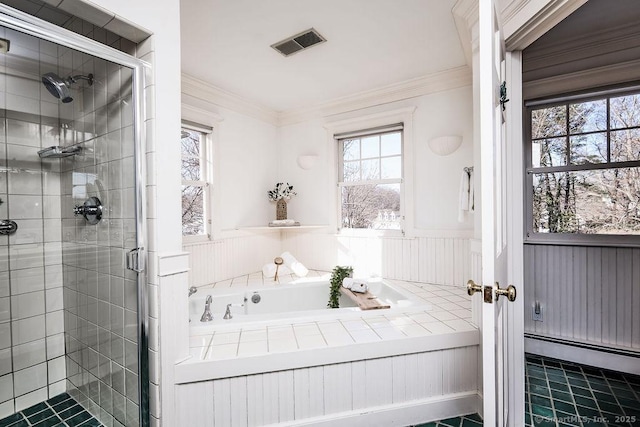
column 585, row 356
column 204, row 370
column 400, row 415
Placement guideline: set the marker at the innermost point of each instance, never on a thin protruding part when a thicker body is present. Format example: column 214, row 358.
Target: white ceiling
column 370, row 44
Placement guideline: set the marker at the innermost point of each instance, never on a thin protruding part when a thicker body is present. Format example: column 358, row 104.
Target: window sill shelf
column 290, row 227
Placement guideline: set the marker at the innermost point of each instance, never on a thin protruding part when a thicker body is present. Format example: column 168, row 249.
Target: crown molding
column 436, row 82
column 465, row 16
column 524, row 21
column 202, row 90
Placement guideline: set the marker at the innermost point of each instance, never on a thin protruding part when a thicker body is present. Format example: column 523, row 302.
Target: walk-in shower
column 73, row 328
column 60, row 88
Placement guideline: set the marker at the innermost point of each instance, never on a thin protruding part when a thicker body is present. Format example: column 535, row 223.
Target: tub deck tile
column 225, row 338
column 223, row 352
column 364, row 336
column 308, row 342
column 445, row 310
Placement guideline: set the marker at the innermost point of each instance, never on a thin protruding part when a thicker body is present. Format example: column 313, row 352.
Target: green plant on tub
column 337, row 275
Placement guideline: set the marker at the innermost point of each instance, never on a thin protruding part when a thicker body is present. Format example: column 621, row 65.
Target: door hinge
column 135, row 260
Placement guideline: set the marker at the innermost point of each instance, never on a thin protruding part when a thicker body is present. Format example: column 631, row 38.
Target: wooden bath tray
column 366, row 301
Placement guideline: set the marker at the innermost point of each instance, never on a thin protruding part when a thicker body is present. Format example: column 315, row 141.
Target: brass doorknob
column 472, row 288
column 509, row 292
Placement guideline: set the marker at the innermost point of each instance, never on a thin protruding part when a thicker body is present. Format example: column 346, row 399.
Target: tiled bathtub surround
column 340, row 366
column 446, row 309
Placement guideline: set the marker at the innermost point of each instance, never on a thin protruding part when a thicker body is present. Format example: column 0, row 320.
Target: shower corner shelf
column 58, row 152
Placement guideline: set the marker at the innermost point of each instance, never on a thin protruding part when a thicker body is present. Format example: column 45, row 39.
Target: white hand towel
column 359, row 286
column 269, row 270
column 283, row 221
column 472, row 201
column 347, row 282
column 294, row 265
column 355, row 285
column 463, row 203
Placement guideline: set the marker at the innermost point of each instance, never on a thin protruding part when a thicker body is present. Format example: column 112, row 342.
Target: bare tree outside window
column 193, row 183
column 585, row 166
column 370, row 181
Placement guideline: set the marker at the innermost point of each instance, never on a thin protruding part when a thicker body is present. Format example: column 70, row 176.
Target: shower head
column 60, row 88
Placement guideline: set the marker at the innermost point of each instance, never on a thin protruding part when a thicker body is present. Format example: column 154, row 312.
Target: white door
column 502, row 325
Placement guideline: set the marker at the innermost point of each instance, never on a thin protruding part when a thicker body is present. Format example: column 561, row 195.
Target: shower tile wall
column 100, row 296
column 32, row 363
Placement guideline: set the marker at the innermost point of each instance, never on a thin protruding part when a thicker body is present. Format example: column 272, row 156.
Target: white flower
column 281, row 191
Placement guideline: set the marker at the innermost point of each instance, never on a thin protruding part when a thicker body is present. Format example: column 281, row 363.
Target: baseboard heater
column 588, row 346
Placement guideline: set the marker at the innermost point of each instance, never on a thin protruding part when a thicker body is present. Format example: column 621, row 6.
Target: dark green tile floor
column 559, row 393
column 59, row 411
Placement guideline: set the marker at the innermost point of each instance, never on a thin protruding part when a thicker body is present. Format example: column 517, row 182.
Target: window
column 195, row 196
column 583, row 168
column 370, row 179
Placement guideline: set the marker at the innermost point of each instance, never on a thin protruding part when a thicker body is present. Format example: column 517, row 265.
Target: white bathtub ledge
column 202, row 370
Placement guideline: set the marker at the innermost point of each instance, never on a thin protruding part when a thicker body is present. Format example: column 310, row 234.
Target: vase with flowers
column 280, row 194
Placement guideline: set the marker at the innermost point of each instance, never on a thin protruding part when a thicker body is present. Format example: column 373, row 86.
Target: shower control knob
column 91, row 210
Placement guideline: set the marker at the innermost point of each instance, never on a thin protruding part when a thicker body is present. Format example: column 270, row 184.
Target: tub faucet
column 207, row 316
column 192, row 290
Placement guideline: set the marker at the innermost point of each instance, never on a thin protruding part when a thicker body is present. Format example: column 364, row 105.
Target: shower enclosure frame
column 137, row 259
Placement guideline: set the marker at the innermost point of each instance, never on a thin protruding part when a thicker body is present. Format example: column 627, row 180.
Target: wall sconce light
column 445, row 145
column 307, row 161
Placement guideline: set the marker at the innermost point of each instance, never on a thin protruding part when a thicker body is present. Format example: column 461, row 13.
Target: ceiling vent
column 299, row 42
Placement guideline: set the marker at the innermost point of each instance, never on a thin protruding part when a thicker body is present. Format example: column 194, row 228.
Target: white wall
column 436, row 179
column 247, row 170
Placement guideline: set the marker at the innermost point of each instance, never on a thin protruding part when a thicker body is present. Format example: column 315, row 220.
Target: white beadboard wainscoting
column 588, row 295
column 391, row 391
column 442, row 261
column 216, row 260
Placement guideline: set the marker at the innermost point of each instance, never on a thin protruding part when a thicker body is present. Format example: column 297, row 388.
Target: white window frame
column 394, row 128
column 532, row 237
column 205, row 179
column 372, row 121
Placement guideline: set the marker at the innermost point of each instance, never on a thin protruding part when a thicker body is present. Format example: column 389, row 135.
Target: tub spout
column 207, row 316
column 192, row 290
column 227, row 313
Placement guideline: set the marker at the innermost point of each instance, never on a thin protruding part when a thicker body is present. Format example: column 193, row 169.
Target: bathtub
column 303, row 299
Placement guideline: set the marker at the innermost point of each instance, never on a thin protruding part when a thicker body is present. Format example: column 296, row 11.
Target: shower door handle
column 135, row 260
